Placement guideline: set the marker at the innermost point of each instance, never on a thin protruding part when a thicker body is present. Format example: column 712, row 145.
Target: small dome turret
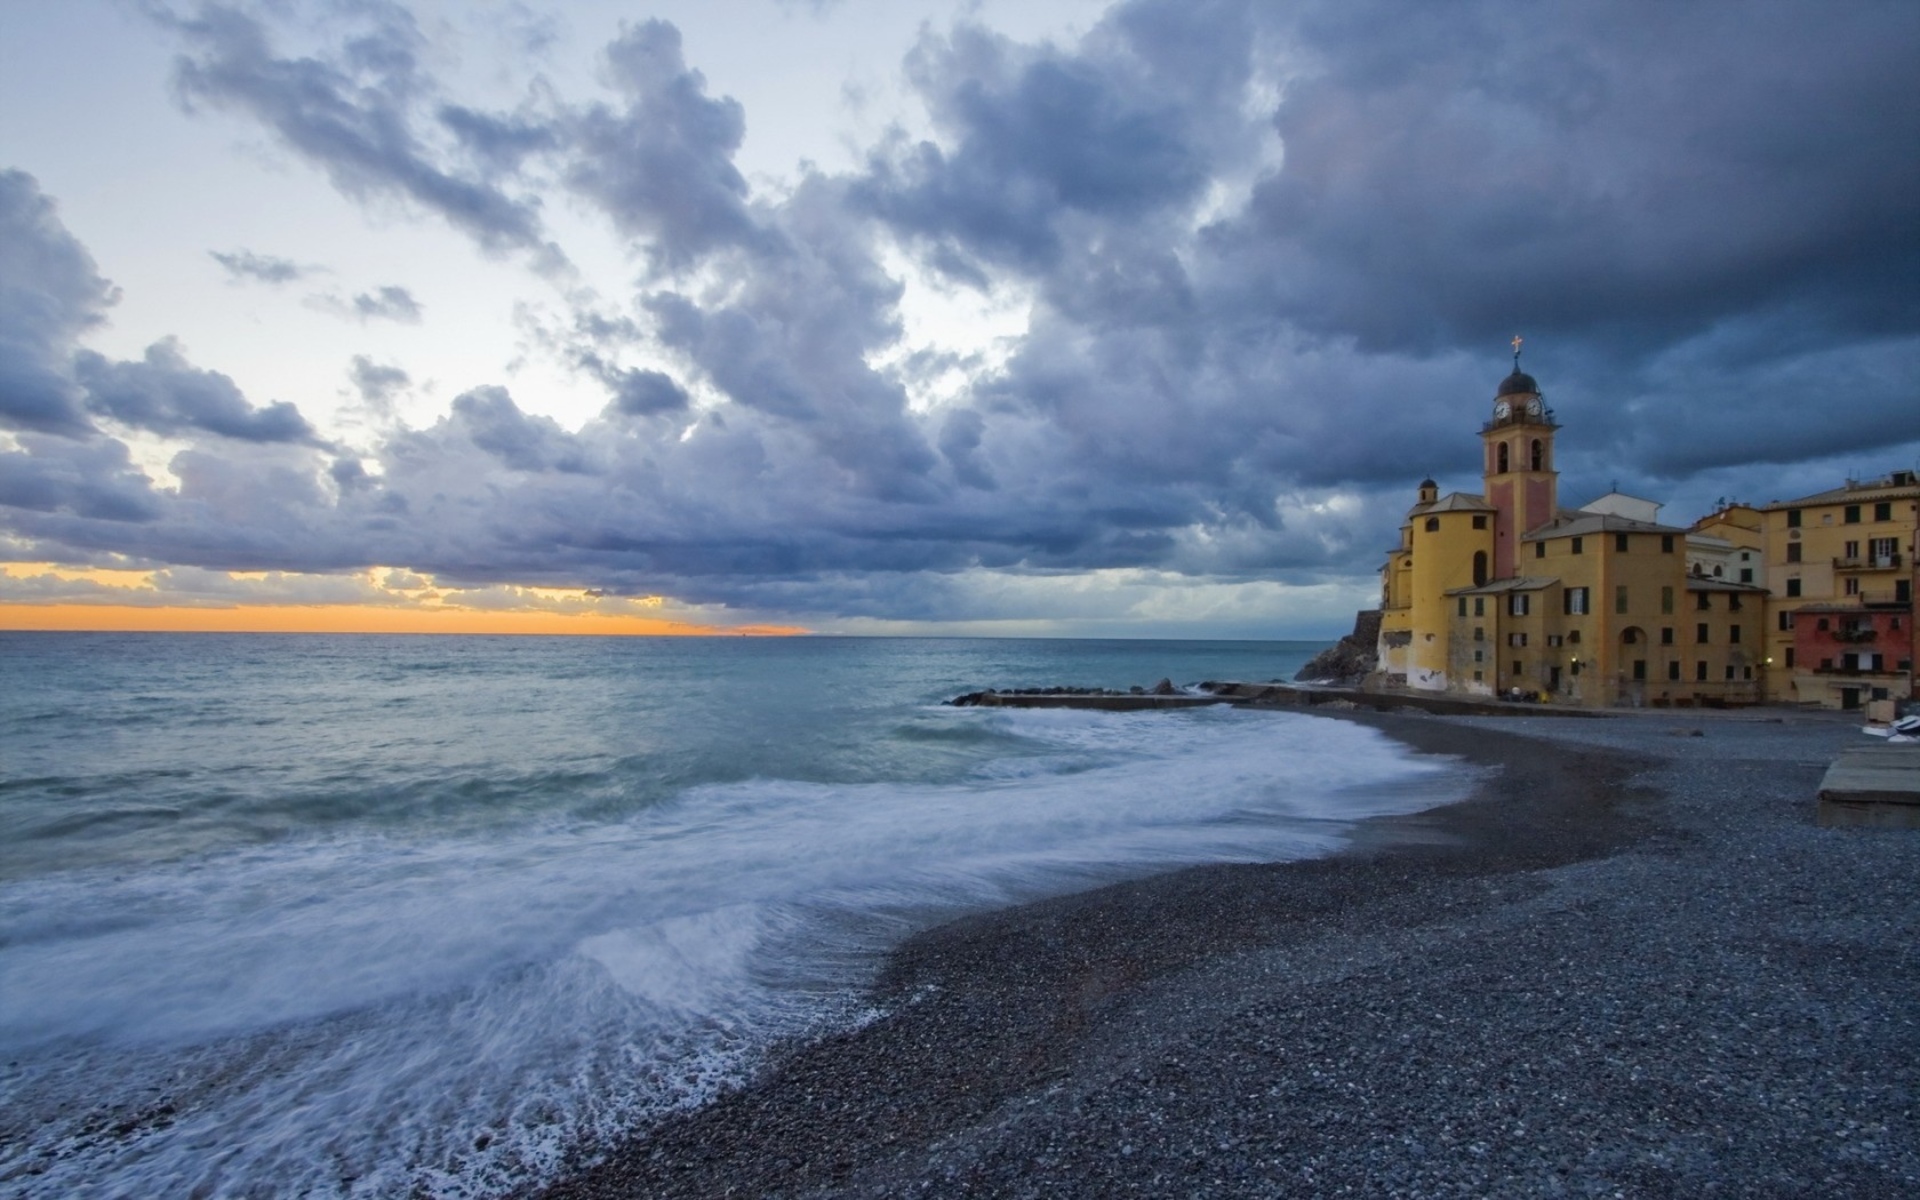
column 1517, row 384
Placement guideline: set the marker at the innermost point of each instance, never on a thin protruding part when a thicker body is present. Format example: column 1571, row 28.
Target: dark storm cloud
column 245, row 265
column 1041, row 137
column 645, row 393
column 50, row 293
column 662, row 165
column 1273, row 254
column 90, row 481
column 488, row 418
column 164, row 393
column 352, row 114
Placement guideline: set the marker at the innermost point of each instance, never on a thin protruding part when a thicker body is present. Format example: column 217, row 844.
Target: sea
column 445, row 916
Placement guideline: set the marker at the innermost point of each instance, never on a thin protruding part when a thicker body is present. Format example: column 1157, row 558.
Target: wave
column 451, row 1010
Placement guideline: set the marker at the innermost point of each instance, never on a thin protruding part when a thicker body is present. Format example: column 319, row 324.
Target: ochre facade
column 1841, row 576
column 1503, row 592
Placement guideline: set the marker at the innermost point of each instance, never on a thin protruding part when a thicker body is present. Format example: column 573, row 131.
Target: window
column 1463, row 606
column 1620, row 598
column 1576, row 601
column 1479, row 567
column 1793, row 518
column 1733, row 603
column 1700, row 671
column 1479, row 520
column 1479, row 656
column 1883, row 511
column 1789, row 657
column 1578, row 543
column 1746, row 574
column 1433, row 524
column 1500, row 459
column 1573, row 638
column 1793, row 551
column 1884, row 551
column 1850, row 550
column 1852, row 515
column 1517, row 604
column 1639, row 668
column 1673, row 670
column 1793, row 586
column 1666, row 599
column 1539, row 549
column 1729, row 671
column 1853, row 585
column 1516, row 640
column 1666, row 543
column 1479, row 633
column 1733, row 634
column 1746, row 672
column 1539, row 456
column 1666, row 635
column 1703, row 601
column 1476, row 677
column 1786, row 622
column 1700, row 632
column 1479, row 606
column 1516, row 666
column 1620, row 543
column 1554, row 639
column 1821, row 625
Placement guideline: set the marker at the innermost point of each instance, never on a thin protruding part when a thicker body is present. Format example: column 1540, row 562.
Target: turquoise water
column 368, row 915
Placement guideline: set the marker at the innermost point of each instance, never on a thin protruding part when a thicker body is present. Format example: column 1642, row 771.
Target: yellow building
column 1503, row 592
column 1840, row 567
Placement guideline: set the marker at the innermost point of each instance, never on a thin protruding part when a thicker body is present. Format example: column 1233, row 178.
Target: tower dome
column 1517, row 384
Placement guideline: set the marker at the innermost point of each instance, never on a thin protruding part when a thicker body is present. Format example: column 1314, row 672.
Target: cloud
column 244, row 266
column 390, row 303
column 352, row 113
column 377, row 384
column 164, row 393
column 1269, row 258
column 645, row 393
column 70, row 485
column 662, row 165
column 50, row 293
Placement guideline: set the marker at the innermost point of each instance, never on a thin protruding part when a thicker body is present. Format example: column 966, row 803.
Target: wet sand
column 1629, row 964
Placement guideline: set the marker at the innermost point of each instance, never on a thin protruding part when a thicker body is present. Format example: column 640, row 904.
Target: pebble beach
column 1629, row 965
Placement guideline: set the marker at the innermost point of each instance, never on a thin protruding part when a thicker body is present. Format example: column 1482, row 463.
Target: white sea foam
column 373, row 1013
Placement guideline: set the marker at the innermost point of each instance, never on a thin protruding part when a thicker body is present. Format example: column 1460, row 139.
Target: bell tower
column 1520, row 480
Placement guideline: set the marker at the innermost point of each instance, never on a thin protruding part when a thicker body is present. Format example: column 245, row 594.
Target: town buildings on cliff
column 1504, row 592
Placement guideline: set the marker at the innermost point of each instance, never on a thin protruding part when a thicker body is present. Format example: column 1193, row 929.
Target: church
column 1502, row 592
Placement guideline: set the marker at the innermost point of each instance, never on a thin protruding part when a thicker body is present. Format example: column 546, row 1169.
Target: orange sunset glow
column 133, row 601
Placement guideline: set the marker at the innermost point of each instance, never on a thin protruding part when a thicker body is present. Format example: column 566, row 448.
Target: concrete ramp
column 1876, row 785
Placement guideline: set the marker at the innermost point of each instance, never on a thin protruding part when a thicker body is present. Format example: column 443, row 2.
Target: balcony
column 1856, row 635
column 1859, row 672
column 1868, row 562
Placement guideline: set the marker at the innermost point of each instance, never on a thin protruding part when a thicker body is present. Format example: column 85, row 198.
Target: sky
column 1059, row 317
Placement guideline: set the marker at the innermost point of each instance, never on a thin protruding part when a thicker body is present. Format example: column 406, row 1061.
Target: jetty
column 1263, row 695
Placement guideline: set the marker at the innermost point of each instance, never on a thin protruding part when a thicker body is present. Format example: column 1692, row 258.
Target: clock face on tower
column 1501, row 410
column 1533, row 407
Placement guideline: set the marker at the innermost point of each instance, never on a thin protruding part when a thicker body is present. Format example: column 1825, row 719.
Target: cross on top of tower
column 1517, row 339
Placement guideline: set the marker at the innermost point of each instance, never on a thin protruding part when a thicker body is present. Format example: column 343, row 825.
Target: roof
column 1453, row 502
column 1707, row 583
column 1517, row 384
column 1523, row 583
column 1900, row 483
column 1576, row 524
